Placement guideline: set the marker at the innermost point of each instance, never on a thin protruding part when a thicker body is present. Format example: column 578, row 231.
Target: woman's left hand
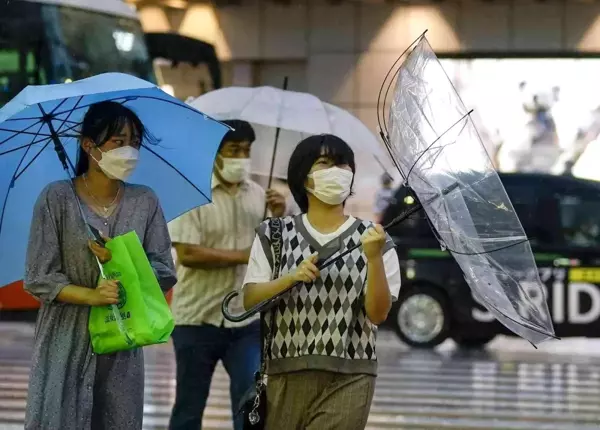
column 373, row 240
column 100, row 251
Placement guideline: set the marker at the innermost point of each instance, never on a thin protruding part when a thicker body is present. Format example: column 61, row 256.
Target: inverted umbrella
column 435, row 144
column 39, row 139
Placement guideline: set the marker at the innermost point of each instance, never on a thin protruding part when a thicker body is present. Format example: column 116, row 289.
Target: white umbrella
column 298, row 115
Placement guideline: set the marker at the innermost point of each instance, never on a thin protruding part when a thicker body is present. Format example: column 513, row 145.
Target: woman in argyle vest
column 321, row 360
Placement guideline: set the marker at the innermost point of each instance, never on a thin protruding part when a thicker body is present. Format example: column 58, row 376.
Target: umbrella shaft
column 58, row 146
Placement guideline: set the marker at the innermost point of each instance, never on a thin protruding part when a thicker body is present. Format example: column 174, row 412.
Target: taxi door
column 569, row 261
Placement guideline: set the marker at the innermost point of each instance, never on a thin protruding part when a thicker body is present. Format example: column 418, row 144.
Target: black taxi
column 561, row 217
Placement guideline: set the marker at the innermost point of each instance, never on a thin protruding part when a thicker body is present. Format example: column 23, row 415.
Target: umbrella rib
column 15, row 176
column 24, row 146
column 527, row 324
column 67, row 129
column 62, row 102
column 126, row 98
column 177, row 170
column 17, row 132
column 436, row 140
column 21, row 119
column 414, row 43
column 28, row 133
column 65, row 120
column 33, row 159
column 55, row 137
column 248, row 103
column 74, row 136
column 14, row 179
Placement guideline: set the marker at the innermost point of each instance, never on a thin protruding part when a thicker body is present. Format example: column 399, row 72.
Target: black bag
column 254, row 402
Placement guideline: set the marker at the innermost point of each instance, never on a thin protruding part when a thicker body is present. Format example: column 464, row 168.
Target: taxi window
column 580, row 219
column 527, row 201
column 524, row 201
column 414, row 229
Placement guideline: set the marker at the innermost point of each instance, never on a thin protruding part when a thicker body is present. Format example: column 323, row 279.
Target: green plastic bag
column 142, row 316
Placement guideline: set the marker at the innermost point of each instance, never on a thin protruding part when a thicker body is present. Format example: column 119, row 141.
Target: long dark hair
column 101, row 122
column 307, row 153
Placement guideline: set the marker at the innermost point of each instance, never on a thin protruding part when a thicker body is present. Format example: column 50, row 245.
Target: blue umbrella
column 39, row 142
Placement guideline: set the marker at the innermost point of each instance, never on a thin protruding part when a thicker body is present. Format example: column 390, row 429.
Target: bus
column 59, row 41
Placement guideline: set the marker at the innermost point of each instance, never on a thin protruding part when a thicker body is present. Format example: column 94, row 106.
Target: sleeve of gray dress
column 44, row 276
column 157, row 244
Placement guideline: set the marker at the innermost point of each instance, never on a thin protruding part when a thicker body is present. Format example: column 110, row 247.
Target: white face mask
column 119, row 163
column 235, row 170
column 332, row 186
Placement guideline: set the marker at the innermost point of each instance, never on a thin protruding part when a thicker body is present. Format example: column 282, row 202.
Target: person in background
column 384, row 196
column 322, row 364
column 71, row 387
column 212, row 245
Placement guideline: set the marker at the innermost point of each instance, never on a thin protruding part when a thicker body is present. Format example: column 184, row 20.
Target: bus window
column 20, row 51
column 18, row 68
column 85, row 43
column 49, row 43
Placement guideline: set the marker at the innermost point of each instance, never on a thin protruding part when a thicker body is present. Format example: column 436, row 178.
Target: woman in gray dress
column 70, row 387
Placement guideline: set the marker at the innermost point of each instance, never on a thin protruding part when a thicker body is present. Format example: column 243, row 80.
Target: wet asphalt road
column 509, row 386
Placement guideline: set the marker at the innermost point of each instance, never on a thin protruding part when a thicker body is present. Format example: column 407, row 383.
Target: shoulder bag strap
column 275, row 227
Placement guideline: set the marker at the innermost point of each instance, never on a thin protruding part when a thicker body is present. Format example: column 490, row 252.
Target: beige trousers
column 318, row 400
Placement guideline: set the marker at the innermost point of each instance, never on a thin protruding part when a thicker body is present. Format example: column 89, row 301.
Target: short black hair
column 241, row 131
column 307, row 153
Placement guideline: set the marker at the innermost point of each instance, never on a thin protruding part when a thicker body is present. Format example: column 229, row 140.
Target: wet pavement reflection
column 502, row 388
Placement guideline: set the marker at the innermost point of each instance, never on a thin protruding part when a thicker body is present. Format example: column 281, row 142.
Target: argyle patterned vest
column 321, row 326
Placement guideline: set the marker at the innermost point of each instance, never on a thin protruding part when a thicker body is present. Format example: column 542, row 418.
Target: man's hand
column 373, row 240
column 275, row 203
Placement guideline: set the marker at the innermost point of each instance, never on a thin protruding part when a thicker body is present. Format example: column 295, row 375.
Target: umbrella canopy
column 299, row 115
column 435, row 145
column 39, row 140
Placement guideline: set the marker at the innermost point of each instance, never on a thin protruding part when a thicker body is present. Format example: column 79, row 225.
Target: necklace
column 103, row 207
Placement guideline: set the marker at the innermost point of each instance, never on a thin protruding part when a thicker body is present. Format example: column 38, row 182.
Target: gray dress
column 71, row 388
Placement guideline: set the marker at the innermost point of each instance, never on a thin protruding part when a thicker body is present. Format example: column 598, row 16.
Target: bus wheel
column 473, row 342
column 421, row 316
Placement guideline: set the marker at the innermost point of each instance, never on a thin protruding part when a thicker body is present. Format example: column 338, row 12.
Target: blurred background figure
column 384, row 196
column 542, row 147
